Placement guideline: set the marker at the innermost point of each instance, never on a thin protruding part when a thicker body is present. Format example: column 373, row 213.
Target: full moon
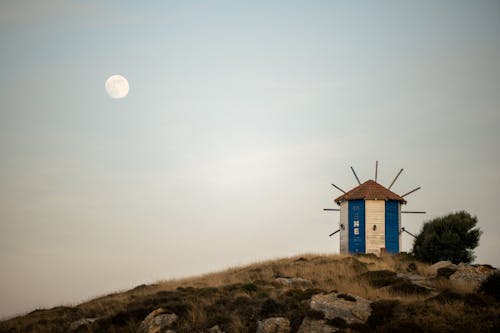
column 117, row 86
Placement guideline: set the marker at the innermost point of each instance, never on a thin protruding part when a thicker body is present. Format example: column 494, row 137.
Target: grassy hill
column 237, row 298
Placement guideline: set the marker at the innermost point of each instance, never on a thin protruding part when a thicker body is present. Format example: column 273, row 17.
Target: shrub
column 249, row 287
column 452, row 237
column 356, row 265
column 380, row 278
column 412, row 267
column 491, row 286
column 382, row 312
column 270, row 307
column 406, row 287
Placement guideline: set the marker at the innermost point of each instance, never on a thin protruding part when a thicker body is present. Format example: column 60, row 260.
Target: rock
column 80, row 322
column 471, row 276
column 407, row 287
column 334, row 306
column 273, row 325
column 418, row 280
column 445, row 272
column 157, row 321
column 215, row 329
column 441, row 264
column 294, row 282
column 315, row 326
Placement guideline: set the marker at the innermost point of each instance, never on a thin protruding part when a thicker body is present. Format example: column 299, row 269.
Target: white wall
column 375, row 216
column 344, row 234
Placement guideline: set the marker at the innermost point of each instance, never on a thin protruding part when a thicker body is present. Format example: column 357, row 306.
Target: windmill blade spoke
column 338, row 188
column 355, row 175
column 415, row 189
column 409, row 233
column 395, row 178
column 333, row 233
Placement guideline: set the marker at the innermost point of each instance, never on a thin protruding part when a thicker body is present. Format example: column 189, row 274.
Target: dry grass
column 237, row 297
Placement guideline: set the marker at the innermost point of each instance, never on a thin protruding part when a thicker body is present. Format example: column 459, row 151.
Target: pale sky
column 240, row 116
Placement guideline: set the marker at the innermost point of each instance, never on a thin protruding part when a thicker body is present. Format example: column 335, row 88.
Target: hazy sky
column 240, row 115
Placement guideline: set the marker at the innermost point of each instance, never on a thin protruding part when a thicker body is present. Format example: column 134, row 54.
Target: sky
column 240, row 115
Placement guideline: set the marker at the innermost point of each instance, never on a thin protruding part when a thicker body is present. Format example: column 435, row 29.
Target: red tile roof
column 370, row 190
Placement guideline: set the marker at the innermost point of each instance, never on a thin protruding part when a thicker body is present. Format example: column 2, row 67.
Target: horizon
column 238, row 119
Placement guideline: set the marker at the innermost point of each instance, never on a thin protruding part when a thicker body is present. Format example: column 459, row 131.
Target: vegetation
column 452, row 237
column 237, row 298
column 491, row 286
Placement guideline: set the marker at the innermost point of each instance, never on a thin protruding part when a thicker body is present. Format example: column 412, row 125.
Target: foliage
column 380, row 278
column 237, row 298
column 452, row 237
column 249, row 287
column 491, row 286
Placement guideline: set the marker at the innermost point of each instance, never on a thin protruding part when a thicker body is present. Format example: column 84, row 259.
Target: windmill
column 370, row 216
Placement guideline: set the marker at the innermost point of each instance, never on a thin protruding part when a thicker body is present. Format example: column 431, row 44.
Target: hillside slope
column 404, row 295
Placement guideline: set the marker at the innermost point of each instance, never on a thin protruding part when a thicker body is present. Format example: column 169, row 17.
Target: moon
column 117, row 86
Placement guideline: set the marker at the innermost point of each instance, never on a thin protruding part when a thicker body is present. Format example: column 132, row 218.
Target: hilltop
column 308, row 293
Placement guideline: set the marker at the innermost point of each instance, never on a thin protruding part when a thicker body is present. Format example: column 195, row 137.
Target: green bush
column 452, row 237
column 249, row 287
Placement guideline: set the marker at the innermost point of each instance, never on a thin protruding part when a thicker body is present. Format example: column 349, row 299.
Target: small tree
column 451, row 237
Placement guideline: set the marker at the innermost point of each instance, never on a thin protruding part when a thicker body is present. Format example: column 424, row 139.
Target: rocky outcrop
column 273, row 325
column 315, row 326
column 471, row 275
column 417, row 280
column 443, row 269
column 299, row 283
column 442, row 264
column 158, row 321
column 352, row 309
column 76, row 325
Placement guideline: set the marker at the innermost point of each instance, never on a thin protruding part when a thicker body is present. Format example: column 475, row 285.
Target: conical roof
column 370, row 190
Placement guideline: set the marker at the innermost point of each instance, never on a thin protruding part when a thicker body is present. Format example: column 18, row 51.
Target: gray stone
column 294, row 282
column 333, row 306
column 315, row 326
column 157, row 321
column 273, row 325
column 418, row 280
column 81, row 322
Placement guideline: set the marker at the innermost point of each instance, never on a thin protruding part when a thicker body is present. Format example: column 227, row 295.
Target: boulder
column 445, row 272
column 215, row 329
column 335, row 305
column 273, row 325
column 294, row 282
column 157, row 321
column 442, row 264
column 79, row 323
column 315, row 326
column 417, row 280
column 471, row 275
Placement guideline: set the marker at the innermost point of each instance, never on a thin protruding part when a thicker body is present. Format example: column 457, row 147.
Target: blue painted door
column 357, row 226
column 392, row 226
